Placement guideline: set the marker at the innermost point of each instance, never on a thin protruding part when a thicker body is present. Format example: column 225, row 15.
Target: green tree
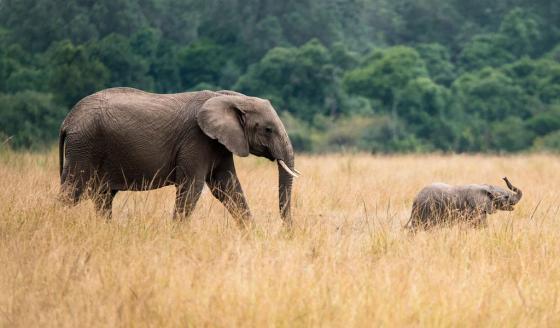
column 31, row 119
column 545, row 122
column 553, row 54
column 201, row 61
column 438, row 62
column 425, row 108
column 538, row 78
column 484, row 97
column 122, row 17
column 549, row 142
column 385, row 73
column 74, row 73
column 510, row 135
column 522, row 32
column 491, row 95
column 126, row 68
column 427, row 20
column 314, row 59
column 485, row 50
column 267, row 34
column 18, row 69
column 300, row 80
column 8, row 66
column 165, row 68
column 26, row 78
column 384, row 76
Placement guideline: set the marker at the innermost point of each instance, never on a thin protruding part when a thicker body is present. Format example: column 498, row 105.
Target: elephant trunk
column 286, row 174
column 518, row 193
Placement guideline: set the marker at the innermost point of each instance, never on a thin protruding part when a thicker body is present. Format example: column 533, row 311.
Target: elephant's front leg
column 225, row 186
column 188, row 194
column 480, row 221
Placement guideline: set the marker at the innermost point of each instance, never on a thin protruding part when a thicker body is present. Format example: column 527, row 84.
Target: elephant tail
column 61, row 139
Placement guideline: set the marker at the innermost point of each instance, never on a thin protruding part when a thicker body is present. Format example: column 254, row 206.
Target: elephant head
column 248, row 125
column 504, row 200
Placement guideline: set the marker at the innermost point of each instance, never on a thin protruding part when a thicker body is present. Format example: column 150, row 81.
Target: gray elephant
column 441, row 203
column 128, row 139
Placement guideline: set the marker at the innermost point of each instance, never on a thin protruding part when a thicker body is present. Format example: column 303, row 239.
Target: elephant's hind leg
column 103, row 201
column 420, row 217
column 412, row 225
column 188, row 194
column 78, row 169
column 72, row 186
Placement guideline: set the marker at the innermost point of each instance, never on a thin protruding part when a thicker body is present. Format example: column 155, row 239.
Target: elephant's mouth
column 263, row 153
column 508, row 208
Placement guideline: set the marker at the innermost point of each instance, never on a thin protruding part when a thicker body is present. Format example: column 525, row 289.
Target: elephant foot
column 103, row 202
column 182, row 214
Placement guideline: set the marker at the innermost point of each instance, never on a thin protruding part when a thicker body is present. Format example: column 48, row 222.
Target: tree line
column 371, row 75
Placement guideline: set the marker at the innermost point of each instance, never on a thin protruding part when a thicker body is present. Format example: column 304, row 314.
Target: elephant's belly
column 134, row 176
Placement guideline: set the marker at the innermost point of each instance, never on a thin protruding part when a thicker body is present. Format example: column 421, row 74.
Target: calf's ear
column 489, row 201
column 489, row 194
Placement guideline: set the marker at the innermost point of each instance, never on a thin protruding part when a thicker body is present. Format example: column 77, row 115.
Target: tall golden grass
column 347, row 262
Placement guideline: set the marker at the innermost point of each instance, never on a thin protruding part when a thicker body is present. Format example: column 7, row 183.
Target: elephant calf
column 441, row 203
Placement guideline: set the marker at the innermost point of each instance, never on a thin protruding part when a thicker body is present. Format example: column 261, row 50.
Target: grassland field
column 347, row 263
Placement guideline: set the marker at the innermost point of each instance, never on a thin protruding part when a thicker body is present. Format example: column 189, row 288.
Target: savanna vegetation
column 372, row 75
column 375, row 76
column 347, row 262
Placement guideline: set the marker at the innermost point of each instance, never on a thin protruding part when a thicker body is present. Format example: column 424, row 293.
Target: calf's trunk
column 518, row 193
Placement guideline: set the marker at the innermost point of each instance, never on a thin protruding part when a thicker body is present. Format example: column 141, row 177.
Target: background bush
column 371, row 75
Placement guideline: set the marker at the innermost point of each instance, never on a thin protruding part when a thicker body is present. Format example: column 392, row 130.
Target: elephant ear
column 490, row 196
column 221, row 118
column 230, row 93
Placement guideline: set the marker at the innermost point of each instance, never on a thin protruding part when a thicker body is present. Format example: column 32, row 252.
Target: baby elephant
column 441, row 203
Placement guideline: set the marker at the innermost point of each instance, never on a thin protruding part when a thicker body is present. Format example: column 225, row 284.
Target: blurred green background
column 368, row 75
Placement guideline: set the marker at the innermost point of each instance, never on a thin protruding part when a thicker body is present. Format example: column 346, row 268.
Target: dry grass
column 347, row 263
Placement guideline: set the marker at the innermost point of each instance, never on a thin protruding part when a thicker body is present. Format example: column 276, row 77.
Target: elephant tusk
column 297, row 172
column 287, row 169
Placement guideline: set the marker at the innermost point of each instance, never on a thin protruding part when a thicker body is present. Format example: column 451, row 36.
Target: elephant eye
column 268, row 130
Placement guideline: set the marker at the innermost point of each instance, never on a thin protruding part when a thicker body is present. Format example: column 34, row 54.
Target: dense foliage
column 374, row 75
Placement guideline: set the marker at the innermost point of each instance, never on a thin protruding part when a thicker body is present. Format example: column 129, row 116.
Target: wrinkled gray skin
column 441, row 203
column 128, row 139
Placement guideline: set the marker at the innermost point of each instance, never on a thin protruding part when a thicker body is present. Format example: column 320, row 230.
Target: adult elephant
column 128, row 139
